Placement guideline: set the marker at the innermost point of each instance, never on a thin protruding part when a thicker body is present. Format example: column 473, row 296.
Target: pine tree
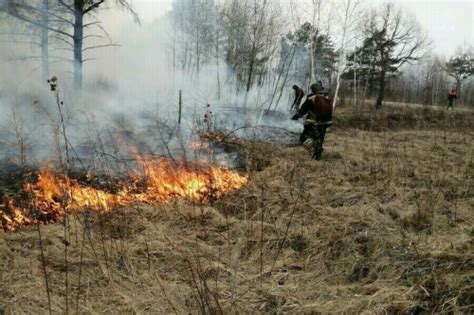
column 461, row 67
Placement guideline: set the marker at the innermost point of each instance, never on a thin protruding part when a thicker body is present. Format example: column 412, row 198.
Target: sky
column 449, row 23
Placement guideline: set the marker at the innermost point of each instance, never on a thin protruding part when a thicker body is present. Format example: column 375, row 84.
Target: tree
column 316, row 24
column 435, row 81
column 195, row 22
column 80, row 11
column 461, row 66
column 346, row 14
column 391, row 40
column 38, row 12
column 251, row 29
column 67, row 20
column 313, row 55
column 45, row 39
column 325, row 57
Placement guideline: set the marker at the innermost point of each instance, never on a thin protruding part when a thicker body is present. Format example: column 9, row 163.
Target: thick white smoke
column 132, row 86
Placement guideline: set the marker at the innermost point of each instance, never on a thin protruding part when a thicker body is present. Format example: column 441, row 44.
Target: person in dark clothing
column 318, row 111
column 299, row 94
column 451, row 97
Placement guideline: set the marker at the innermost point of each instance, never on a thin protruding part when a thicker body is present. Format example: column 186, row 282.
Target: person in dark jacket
column 451, row 97
column 299, row 94
column 318, row 111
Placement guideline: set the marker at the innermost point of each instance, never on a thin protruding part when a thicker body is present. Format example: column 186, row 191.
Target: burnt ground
column 382, row 224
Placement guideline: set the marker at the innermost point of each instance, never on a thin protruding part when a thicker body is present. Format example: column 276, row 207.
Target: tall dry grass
column 382, row 224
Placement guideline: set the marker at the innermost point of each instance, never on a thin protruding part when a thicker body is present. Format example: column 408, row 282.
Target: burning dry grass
column 157, row 181
column 382, row 224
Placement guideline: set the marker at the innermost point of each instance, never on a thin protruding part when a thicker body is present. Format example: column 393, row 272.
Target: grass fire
column 157, row 181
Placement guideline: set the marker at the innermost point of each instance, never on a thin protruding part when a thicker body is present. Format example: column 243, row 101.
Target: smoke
column 131, row 90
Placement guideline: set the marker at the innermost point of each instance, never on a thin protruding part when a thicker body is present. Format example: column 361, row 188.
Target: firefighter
column 451, row 97
column 299, row 94
column 318, row 111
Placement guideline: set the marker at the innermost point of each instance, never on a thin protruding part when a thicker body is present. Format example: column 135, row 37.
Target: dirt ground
column 382, row 224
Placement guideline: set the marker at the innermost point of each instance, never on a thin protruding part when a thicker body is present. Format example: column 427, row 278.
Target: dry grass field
column 383, row 224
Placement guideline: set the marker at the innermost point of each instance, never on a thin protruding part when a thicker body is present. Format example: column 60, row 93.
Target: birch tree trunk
column 313, row 48
column 349, row 8
column 338, row 78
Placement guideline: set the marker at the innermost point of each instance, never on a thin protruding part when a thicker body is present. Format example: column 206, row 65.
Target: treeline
column 359, row 52
column 366, row 53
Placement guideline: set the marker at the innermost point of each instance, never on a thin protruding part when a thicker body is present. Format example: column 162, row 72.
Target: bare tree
column 38, row 12
column 347, row 14
column 80, row 11
column 252, row 30
column 195, row 27
column 316, row 22
column 395, row 40
column 67, row 20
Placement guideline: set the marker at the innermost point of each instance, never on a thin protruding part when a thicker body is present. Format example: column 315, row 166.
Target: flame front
column 156, row 181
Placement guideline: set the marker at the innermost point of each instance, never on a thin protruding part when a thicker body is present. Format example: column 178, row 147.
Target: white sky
column 449, row 23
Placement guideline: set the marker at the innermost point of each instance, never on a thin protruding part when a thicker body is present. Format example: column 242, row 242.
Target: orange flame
column 158, row 181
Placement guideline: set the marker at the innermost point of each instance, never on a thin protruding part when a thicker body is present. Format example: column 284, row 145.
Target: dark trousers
column 450, row 104
column 296, row 105
column 317, row 133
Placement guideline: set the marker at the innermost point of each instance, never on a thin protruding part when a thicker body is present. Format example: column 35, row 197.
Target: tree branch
column 67, row 6
column 27, row 20
column 100, row 46
column 92, row 7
